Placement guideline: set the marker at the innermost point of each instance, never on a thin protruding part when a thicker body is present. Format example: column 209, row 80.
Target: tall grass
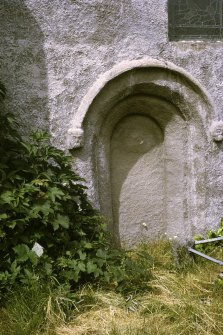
column 182, row 298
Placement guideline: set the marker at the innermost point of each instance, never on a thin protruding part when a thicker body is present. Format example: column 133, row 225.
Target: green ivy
column 43, row 201
column 48, row 228
column 209, row 247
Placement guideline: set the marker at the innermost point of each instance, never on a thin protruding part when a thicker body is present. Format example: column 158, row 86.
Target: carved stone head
column 216, row 130
column 75, row 138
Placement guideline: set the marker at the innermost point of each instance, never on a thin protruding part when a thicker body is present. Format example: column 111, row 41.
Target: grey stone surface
column 216, row 130
column 54, row 56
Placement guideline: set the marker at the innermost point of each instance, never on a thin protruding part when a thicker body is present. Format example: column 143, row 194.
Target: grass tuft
column 183, row 297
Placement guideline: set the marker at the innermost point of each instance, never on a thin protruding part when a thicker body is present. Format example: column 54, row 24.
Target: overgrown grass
column 182, row 298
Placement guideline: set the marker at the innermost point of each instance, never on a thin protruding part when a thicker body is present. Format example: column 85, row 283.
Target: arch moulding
column 75, row 134
column 172, row 111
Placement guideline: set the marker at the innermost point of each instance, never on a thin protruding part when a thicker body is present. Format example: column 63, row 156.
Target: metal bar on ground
column 209, row 240
column 205, row 256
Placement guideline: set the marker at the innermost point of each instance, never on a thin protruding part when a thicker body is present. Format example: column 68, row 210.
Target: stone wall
column 54, row 52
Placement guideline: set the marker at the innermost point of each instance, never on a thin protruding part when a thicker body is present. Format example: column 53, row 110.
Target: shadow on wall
column 147, row 165
column 136, row 174
column 22, row 64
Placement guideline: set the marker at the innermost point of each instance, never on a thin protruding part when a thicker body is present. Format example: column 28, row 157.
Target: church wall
column 52, row 52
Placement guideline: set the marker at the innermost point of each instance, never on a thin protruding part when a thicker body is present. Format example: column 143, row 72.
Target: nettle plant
column 48, row 228
column 43, row 205
column 210, row 247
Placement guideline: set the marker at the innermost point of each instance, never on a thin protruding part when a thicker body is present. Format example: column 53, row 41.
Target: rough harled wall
column 52, row 52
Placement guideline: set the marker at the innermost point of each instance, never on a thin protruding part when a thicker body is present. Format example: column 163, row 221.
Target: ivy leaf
column 54, row 193
column 101, row 253
column 7, row 197
column 73, row 264
column 91, row 267
column 22, row 250
column 61, row 220
column 88, row 245
column 12, row 224
column 98, row 272
column 44, row 208
column 2, row 233
column 15, row 268
column 82, row 255
column 33, row 257
column 101, row 262
column 75, row 275
column 107, row 276
column 81, row 266
column 118, row 274
column 29, row 275
column 48, row 267
column 3, row 216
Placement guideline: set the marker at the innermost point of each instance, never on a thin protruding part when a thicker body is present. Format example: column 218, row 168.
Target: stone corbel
column 75, row 138
column 216, row 131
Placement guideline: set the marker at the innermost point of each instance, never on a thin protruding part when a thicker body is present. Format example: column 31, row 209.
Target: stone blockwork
column 90, row 69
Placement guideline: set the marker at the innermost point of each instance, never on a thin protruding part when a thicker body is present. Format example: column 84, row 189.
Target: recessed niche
column 137, row 177
column 143, row 150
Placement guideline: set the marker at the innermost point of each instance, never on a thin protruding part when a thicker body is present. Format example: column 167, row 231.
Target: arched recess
column 152, row 115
